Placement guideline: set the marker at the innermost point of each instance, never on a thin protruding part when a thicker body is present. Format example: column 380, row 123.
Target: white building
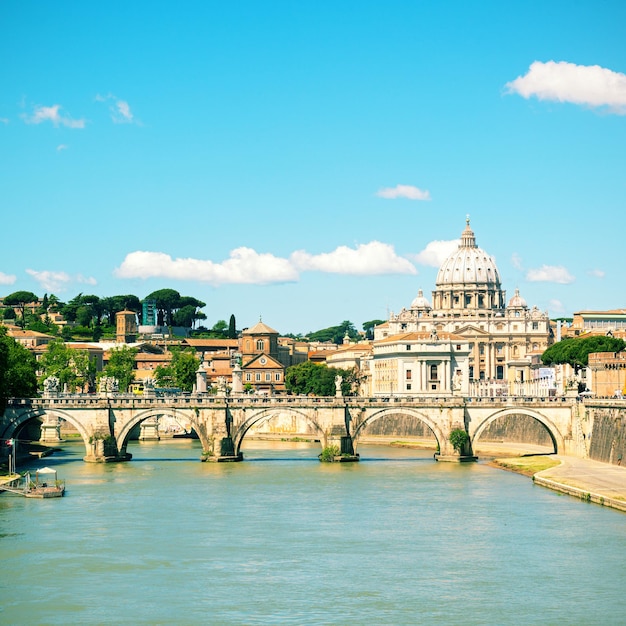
column 420, row 363
column 468, row 302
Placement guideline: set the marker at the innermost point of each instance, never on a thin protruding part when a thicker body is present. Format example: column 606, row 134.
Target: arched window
column 260, row 345
column 433, row 372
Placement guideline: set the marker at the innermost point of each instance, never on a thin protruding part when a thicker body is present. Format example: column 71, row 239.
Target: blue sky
column 312, row 162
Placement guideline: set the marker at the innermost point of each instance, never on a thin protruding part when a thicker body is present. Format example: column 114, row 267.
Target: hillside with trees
column 575, row 351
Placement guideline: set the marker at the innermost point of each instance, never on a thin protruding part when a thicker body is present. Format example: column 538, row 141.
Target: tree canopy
column 368, row 327
column 576, row 350
column 17, row 370
column 181, row 370
column 72, row 367
column 335, row 334
column 121, row 366
column 318, row 379
column 20, row 299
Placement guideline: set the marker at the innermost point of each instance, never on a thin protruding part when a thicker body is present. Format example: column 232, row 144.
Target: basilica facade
column 486, row 339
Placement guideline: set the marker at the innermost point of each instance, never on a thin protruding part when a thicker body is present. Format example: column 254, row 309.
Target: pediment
column 471, row 330
column 262, row 362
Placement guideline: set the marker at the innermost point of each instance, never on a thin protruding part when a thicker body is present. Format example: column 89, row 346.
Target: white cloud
column 370, row 259
column 556, row 306
column 62, row 147
column 589, row 85
column 119, row 109
column 4, row 120
column 52, row 114
column 403, row 191
column 516, row 261
column 51, row 281
column 436, row 252
column 87, row 280
column 124, row 113
column 596, row 273
column 7, row 279
column 245, row 266
column 550, row 274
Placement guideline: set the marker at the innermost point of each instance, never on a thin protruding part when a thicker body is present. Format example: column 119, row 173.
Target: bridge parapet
column 110, row 418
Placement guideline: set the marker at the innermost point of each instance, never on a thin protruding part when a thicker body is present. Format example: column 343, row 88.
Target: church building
column 469, row 309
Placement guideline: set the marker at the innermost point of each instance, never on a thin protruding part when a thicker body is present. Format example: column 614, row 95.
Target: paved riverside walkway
column 602, row 483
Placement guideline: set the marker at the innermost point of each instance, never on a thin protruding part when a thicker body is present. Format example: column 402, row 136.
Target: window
column 248, row 376
column 468, row 300
column 260, row 345
column 258, row 377
column 433, row 372
column 499, row 348
column 500, row 372
column 408, row 374
column 481, row 349
column 408, row 347
column 408, row 386
column 277, row 376
column 535, row 325
column 268, row 377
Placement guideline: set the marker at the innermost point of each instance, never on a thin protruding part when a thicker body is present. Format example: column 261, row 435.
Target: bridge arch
column 23, row 416
column 257, row 417
column 555, row 435
column 175, row 413
column 376, row 415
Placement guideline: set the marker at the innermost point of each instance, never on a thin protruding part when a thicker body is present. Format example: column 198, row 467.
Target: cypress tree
column 232, row 328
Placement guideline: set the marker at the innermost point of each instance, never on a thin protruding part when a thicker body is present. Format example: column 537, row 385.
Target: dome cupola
column 468, row 279
column 420, row 302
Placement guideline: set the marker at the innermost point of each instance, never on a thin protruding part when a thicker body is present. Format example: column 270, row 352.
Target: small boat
column 46, row 484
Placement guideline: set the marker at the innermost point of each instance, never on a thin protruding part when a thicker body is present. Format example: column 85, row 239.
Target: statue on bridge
column 51, row 385
column 108, row 384
column 338, row 381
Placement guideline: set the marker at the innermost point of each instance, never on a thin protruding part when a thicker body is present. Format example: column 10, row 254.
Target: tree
column 121, row 366
column 167, row 301
column 335, row 333
column 114, row 304
column 232, row 328
column 576, row 350
column 20, row 299
column 18, row 367
column 181, row 370
column 72, row 367
column 459, row 439
column 317, row 379
column 368, row 327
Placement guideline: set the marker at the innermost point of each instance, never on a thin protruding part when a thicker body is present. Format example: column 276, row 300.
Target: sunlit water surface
column 284, row 539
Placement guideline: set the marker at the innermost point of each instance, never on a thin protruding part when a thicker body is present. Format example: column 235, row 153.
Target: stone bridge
column 221, row 423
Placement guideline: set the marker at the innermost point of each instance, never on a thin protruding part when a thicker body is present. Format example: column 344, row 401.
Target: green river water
column 284, row 539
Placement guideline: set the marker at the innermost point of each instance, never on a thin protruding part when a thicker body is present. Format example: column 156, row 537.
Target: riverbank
column 590, row 481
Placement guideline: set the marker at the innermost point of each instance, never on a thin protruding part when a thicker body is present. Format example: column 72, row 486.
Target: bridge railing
column 207, row 400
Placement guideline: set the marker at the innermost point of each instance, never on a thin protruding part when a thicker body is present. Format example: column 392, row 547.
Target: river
column 284, row 539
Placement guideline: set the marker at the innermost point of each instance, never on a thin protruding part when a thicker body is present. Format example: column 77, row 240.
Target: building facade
column 468, row 302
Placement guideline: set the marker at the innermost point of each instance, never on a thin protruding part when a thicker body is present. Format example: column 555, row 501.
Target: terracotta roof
column 423, row 336
column 260, row 329
column 27, row 333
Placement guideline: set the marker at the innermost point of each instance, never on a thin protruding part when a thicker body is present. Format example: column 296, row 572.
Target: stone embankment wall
column 517, row 429
column 511, row 428
column 398, row 426
column 608, row 439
